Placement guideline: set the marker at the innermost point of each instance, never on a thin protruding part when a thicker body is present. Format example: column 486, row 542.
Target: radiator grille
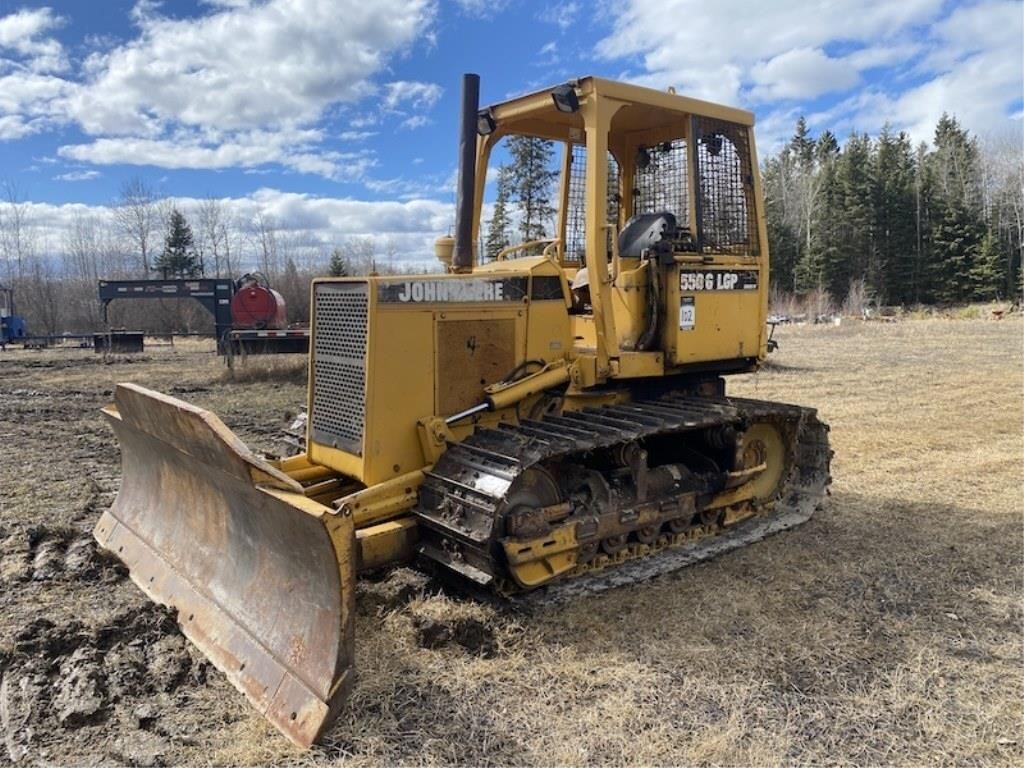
column 339, row 365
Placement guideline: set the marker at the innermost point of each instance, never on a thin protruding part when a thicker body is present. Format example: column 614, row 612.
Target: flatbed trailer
column 215, row 295
column 267, row 342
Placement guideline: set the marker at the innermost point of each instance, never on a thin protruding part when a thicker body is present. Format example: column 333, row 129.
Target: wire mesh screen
column 727, row 220
column 576, row 214
column 660, row 182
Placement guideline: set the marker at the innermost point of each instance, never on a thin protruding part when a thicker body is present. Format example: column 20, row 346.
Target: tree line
column 146, row 235
column 894, row 222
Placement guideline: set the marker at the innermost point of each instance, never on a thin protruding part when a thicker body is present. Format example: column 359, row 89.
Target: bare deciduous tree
column 263, row 236
column 16, row 243
column 137, row 216
column 214, row 237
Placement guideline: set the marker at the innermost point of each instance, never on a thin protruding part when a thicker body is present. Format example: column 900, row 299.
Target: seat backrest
column 653, row 231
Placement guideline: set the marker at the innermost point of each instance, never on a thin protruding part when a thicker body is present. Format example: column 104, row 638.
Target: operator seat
column 652, row 232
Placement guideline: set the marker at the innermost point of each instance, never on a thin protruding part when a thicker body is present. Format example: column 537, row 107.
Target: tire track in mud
column 71, row 674
column 89, row 672
column 65, row 680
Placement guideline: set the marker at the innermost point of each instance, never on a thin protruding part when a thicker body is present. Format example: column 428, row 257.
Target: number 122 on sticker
column 687, row 314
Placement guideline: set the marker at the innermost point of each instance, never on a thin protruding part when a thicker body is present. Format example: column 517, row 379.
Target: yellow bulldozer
column 554, row 416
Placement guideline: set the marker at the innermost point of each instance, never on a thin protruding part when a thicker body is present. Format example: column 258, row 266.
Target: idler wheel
column 763, row 443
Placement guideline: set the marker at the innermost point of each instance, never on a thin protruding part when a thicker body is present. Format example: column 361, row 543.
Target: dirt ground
column 887, row 630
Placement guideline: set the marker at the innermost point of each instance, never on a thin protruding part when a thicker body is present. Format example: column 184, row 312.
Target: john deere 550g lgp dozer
column 556, row 413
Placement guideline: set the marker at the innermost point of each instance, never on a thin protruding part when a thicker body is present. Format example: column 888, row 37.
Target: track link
column 461, row 500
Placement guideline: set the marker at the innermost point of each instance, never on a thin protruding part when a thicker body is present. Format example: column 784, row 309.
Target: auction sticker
column 687, row 314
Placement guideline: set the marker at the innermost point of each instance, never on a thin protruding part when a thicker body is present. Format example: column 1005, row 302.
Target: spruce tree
column 802, row 145
column 855, row 221
column 531, row 186
column 959, row 231
column 917, row 225
column 338, row 266
column 806, row 180
column 498, row 226
column 925, row 273
column 892, row 176
column 988, row 274
column 783, row 238
column 813, row 270
column 956, row 242
column 178, row 258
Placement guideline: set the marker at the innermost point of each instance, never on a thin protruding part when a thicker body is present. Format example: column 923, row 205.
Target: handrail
column 529, row 244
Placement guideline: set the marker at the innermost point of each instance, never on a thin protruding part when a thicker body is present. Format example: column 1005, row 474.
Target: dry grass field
column 887, row 630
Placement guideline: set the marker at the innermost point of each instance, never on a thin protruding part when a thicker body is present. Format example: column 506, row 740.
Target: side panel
column 470, row 355
column 400, row 390
column 713, row 313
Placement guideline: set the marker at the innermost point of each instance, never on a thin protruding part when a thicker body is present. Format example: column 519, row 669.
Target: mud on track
column 887, row 630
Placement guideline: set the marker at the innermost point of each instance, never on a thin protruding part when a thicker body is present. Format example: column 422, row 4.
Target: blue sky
column 340, row 116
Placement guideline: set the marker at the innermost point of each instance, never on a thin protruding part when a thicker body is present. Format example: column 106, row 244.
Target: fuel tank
column 258, row 306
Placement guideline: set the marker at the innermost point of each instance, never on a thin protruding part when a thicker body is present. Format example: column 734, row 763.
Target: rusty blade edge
column 281, row 697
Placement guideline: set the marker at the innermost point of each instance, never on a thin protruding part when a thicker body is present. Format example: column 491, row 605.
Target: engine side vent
column 339, row 365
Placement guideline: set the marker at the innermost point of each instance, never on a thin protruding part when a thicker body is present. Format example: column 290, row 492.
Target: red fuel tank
column 256, row 306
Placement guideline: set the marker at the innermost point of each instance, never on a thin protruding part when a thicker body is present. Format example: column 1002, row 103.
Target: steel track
column 461, row 499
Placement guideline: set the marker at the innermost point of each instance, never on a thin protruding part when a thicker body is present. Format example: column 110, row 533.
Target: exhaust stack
column 466, row 192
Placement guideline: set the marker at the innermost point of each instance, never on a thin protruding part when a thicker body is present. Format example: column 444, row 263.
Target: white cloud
column 801, row 73
column 294, row 149
column 548, row 56
column 985, row 27
column 883, row 55
column 30, row 102
column 31, row 93
column 973, row 70
column 403, row 96
column 16, row 127
column 562, row 15
column 277, row 63
column 713, row 53
column 356, row 135
column 428, row 186
column 319, row 223
column 482, row 9
column 918, row 58
column 77, row 176
column 23, row 34
column 414, row 122
column 243, row 85
column 414, row 94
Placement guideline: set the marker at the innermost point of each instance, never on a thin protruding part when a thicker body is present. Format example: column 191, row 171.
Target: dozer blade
column 261, row 577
